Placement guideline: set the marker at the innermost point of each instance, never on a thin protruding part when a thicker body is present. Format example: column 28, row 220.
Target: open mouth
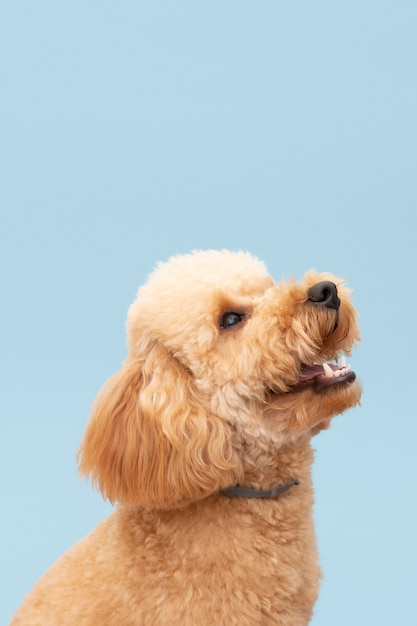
column 320, row 377
column 326, row 374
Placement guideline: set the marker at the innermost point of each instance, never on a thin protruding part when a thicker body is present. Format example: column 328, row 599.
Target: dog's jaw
column 313, row 400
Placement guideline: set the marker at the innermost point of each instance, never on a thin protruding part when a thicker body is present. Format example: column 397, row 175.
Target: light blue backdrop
column 133, row 130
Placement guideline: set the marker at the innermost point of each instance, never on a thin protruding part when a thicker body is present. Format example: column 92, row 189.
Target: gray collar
column 252, row 492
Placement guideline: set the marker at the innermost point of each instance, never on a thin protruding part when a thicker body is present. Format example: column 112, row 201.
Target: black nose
column 324, row 294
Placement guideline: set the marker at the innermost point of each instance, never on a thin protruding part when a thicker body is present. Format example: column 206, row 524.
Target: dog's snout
column 324, row 294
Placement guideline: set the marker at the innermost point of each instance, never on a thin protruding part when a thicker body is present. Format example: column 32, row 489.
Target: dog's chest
column 228, row 559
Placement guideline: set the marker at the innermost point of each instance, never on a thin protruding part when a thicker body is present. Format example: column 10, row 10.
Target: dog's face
column 253, row 348
column 217, row 349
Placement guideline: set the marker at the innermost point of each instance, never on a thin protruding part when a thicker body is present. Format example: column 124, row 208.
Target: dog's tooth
column 328, row 372
column 343, row 361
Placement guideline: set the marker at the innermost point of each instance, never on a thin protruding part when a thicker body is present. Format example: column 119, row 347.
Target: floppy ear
column 150, row 442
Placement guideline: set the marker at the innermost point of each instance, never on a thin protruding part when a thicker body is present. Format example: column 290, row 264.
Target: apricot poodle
column 203, row 440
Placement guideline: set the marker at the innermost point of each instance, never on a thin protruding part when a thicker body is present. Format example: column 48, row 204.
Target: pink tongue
column 308, row 372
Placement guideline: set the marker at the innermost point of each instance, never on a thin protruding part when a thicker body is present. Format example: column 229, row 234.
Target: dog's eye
column 231, row 318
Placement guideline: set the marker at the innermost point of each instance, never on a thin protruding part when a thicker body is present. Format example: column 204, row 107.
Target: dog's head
column 218, row 352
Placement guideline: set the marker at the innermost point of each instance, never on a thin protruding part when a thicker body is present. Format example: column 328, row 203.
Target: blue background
column 131, row 131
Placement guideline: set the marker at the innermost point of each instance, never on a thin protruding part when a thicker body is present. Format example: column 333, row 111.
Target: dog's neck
column 271, row 472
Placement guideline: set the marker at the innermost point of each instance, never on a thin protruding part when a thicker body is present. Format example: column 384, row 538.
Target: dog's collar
column 252, row 492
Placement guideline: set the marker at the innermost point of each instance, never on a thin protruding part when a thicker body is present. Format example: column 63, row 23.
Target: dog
column 203, row 439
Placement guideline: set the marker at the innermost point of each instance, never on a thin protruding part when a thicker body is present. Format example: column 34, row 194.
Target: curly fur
column 194, row 409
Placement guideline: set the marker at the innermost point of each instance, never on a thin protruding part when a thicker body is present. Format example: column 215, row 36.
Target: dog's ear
column 150, row 442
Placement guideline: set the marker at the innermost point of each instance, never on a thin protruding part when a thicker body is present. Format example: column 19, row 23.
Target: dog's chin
column 320, row 392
